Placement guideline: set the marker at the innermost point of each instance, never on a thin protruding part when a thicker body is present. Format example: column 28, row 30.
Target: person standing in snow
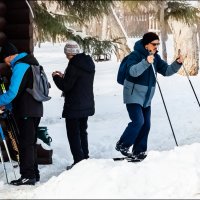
column 138, row 91
column 77, row 87
column 27, row 111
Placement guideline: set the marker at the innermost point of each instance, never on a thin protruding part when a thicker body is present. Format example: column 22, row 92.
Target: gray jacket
column 140, row 82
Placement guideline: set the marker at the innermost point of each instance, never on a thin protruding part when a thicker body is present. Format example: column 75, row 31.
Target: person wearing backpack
column 27, row 111
column 138, row 90
column 77, row 87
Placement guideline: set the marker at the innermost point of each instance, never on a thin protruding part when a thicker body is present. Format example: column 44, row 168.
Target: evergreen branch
column 181, row 11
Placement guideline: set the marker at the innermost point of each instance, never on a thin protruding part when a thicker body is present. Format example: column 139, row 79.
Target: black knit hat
column 8, row 49
column 149, row 37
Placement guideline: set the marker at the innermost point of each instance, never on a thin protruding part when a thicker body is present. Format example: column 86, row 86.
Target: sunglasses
column 155, row 44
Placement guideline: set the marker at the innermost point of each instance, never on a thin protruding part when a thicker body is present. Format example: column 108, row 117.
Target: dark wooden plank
column 2, row 38
column 19, row 28
column 25, row 45
column 19, row 31
column 16, row 4
column 2, row 23
column 18, row 16
column 2, row 9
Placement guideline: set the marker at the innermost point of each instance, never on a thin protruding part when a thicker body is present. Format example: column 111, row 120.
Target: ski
column 129, row 159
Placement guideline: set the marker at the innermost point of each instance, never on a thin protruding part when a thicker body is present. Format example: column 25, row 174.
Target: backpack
column 41, row 85
column 121, row 75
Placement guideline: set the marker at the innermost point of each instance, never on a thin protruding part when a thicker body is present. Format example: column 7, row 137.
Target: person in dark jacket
column 138, row 91
column 77, row 87
column 27, row 111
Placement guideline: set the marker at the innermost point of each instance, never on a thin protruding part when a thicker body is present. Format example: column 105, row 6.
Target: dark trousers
column 136, row 133
column 78, row 138
column 27, row 146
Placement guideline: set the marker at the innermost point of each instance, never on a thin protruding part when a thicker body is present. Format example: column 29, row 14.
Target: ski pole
column 188, row 77
column 9, row 115
column 6, row 147
column 3, row 164
column 14, row 146
column 13, row 126
column 13, row 133
column 164, row 103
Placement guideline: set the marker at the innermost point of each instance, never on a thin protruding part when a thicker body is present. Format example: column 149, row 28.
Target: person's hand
column 54, row 74
column 180, row 59
column 150, row 59
column 2, row 109
column 57, row 73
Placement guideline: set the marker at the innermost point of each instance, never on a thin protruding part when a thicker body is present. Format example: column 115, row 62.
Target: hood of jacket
column 24, row 58
column 84, row 62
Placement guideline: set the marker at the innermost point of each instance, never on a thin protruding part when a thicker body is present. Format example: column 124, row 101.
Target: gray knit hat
column 71, row 47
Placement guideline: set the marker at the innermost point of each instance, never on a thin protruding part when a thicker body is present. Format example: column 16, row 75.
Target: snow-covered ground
column 167, row 172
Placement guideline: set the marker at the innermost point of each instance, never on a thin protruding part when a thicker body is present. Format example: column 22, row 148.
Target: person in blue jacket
column 27, row 111
column 138, row 91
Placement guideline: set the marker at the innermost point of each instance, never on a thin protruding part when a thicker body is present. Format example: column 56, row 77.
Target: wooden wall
column 15, row 26
column 19, row 28
column 2, row 22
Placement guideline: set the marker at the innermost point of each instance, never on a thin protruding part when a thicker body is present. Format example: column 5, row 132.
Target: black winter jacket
column 24, row 105
column 77, row 87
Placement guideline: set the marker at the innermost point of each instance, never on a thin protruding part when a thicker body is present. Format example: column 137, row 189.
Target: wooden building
column 16, row 24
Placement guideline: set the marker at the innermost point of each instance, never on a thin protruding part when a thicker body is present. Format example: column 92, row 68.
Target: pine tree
column 54, row 25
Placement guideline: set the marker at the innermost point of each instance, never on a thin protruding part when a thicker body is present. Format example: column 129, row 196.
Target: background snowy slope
column 168, row 171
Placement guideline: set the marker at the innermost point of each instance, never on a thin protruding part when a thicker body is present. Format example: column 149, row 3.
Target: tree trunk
column 163, row 33
column 118, row 31
column 185, row 39
column 104, row 27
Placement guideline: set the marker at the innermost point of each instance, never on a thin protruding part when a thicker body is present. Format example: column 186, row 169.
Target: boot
column 140, row 156
column 23, row 181
column 123, row 150
column 70, row 166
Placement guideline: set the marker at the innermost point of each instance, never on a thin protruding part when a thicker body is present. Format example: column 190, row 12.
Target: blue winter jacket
column 140, row 82
column 18, row 72
column 23, row 104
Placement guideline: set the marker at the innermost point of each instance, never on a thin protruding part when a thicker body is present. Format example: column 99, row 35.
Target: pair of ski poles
column 12, row 136
column 8, row 153
column 163, row 97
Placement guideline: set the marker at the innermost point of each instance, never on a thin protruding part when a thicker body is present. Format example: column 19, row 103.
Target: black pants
column 27, row 146
column 78, row 138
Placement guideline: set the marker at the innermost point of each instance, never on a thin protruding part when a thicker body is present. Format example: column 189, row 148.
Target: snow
column 167, row 172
